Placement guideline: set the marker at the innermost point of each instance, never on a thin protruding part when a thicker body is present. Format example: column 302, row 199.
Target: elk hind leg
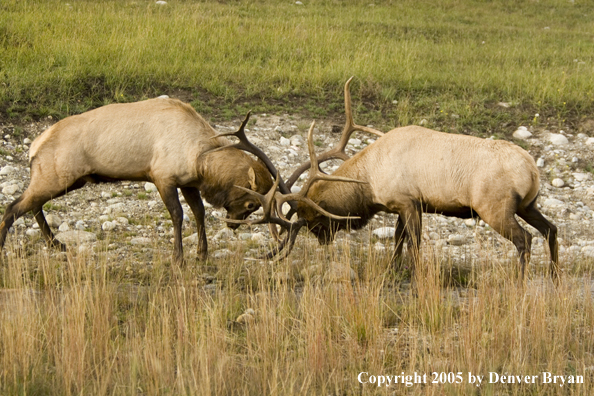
column 171, row 200
column 192, row 196
column 399, row 236
column 533, row 217
column 509, row 228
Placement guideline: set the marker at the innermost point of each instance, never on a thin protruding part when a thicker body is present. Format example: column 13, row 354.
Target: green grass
column 449, row 63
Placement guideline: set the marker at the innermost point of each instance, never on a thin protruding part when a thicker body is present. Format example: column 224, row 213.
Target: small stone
column 64, row 227
column 122, row 220
column 80, row 225
column 258, row 237
column 284, row 141
column 355, row 142
column 434, row 236
column 161, row 2
column 108, row 226
column 191, row 240
column 456, row 240
column 221, row 254
column 470, row 222
column 339, row 272
column 7, row 170
column 557, row 139
column 379, row 247
column 552, row 202
column 76, row 237
column 384, row 232
column 150, row 187
column 27, row 141
column 53, row 220
column 581, row 176
column 558, row 183
column 522, row 133
column 540, row 162
column 10, row 189
column 590, row 141
column 141, row 241
column 224, row 233
column 33, row 232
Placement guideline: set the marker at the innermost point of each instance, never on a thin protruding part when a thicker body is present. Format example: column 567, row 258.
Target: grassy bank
column 449, row 63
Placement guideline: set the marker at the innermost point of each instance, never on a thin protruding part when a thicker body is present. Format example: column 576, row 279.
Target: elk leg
column 40, row 217
column 399, row 236
column 171, row 200
column 533, row 217
column 192, row 196
column 411, row 216
column 510, row 229
column 45, row 229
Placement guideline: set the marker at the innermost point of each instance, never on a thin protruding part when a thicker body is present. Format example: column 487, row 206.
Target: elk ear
column 252, row 175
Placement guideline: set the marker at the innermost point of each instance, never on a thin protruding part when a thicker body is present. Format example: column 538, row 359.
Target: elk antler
column 337, row 152
column 267, row 201
column 246, row 145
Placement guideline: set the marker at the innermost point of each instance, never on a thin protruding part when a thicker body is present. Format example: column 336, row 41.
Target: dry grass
column 81, row 327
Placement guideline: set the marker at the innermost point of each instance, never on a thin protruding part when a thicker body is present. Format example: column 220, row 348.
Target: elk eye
column 251, row 206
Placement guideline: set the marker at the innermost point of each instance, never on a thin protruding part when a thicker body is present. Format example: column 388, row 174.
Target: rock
column 161, row 2
column 27, row 141
column 379, row 247
column 53, row 220
column 150, row 187
column 141, row 241
column 540, row 162
column 122, row 220
column 581, row 176
column 80, row 225
column 558, row 139
column 589, row 142
column 295, row 189
column 6, row 170
column 434, row 236
column 522, row 133
column 10, row 189
column 33, row 232
column 284, row 141
column 456, row 240
column 75, row 237
column 588, row 251
column 552, row 202
column 109, row 226
column 222, row 253
column 384, row 232
column 355, row 142
column 64, row 227
column 191, row 240
column 297, row 140
column 224, row 233
column 258, row 237
column 19, row 221
column 558, row 182
column 470, row 222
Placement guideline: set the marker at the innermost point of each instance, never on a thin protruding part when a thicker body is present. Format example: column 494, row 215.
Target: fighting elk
column 159, row 140
column 411, row 170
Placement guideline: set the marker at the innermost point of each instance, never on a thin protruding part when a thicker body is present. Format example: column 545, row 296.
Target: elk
column 159, row 140
column 411, row 170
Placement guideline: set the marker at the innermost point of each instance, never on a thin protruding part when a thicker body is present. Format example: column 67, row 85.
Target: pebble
column 522, row 133
column 76, row 237
column 6, row 170
column 384, row 232
column 53, row 220
column 552, row 202
column 590, row 141
column 150, row 187
column 141, row 241
column 558, row 182
column 558, row 139
column 540, row 162
column 284, row 141
column 456, row 240
column 33, row 232
column 64, row 227
column 109, row 226
column 11, row 189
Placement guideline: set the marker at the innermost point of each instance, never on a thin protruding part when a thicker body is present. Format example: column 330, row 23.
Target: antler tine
column 246, row 145
column 338, row 152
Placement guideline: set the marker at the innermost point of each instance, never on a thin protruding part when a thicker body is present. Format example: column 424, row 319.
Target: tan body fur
column 157, row 140
column 413, row 169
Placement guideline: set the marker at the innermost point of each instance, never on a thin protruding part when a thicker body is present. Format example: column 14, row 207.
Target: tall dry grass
column 76, row 327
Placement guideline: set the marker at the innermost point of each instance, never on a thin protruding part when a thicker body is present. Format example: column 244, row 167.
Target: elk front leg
column 171, row 201
column 411, row 216
column 192, row 196
column 399, row 236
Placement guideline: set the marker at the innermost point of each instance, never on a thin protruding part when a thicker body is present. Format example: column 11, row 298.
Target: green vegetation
column 449, row 62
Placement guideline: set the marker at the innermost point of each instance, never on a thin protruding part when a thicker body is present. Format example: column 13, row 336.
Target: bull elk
column 159, row 140
column 411, row 170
